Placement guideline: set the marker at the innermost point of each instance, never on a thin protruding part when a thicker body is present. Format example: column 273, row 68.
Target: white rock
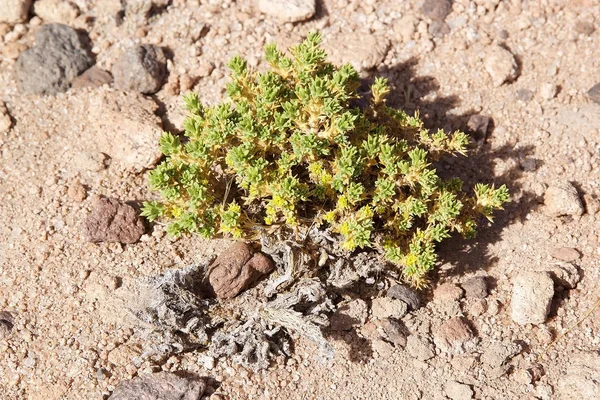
column 59, row 11
column 458, row 391
column 548, row 90
column 501, row 65
column 288, row 10
column 531, row 298
column 561, row 199
column 14, row 11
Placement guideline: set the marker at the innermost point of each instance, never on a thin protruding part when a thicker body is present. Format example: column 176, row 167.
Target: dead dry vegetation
column 97, row 303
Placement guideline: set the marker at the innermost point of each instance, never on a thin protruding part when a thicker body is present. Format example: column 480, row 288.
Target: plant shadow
column 414, row 93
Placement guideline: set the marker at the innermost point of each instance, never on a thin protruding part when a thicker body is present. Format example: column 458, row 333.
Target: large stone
column 56, row 59
column 455, row 336
column 160, row 386
column 501, row 65
column 288, row 10
column 113, row 221
column 532, row 297
column 237, row 268
column 361, row 49
column 406, row 294
column 123, row 126
column 562, row 199
column 14, row 11
column 141, row 68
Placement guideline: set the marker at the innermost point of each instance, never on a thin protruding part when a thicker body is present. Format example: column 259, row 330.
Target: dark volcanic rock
column 141, row 68
column 56, row 59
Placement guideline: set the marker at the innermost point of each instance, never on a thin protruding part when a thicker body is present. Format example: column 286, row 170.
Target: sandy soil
column 62, row 346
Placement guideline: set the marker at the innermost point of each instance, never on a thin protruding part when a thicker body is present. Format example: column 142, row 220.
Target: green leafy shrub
column 288, row 150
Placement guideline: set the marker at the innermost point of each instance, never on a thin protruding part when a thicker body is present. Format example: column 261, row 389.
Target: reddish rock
column 113, row 221
column 237, row 268
column 455, row 336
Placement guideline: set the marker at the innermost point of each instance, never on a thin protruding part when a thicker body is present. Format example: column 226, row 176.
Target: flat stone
column 406, row 294
column 237, row 268
column 531, row 297
column 458, row 391
column 93, row 77
column 141, row 68
column 160, row 386
column 567, row 254
column 113, row 221
column 501, row 65
column 14, row 11
column 350, row 315
column 56, row 59
column 455, row 336
column 385, row 307
column 562, row 199
column 288, row 10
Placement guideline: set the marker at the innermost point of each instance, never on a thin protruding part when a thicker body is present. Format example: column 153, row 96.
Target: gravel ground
column 524, row 65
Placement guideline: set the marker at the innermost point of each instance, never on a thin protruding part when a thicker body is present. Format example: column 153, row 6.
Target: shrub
column 288, row 149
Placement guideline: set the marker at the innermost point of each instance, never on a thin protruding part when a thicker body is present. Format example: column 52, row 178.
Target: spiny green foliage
column 287, row 149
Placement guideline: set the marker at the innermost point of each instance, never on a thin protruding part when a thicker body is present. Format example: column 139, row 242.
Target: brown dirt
column 54, row 281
